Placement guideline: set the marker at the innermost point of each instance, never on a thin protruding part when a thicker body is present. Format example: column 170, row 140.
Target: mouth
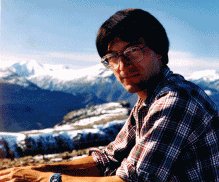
column 129, row 76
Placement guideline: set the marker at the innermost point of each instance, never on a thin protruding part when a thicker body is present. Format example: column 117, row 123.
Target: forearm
column 85, row 166
column 82, row 169
column 70, row 170
column 29, row 175
column 66, row 178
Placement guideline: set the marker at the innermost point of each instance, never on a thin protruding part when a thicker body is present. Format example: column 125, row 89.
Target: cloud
column 76, row 56
column 186, row 63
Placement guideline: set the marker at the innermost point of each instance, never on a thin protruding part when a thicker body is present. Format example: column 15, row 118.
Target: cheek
column 149, row 67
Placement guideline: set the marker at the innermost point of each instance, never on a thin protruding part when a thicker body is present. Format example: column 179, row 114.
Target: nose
column 123, row 62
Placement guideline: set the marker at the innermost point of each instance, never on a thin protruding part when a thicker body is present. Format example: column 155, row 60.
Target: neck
column 150, row 86
column 143, row 94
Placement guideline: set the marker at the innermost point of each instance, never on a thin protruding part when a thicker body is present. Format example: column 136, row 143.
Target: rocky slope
column 94, row 126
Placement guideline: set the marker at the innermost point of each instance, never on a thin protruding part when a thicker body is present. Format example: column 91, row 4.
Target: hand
column 24, row 174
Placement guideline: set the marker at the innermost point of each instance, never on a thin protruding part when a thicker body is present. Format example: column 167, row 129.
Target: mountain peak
column 27, row 68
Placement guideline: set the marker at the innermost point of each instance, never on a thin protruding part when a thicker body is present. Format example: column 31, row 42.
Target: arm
column 92, row 179
column 84, row 167
column 114, row 153
column 29, row 175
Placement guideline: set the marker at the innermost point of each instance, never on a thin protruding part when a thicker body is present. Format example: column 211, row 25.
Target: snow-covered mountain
column 208, row 80
column 54, row 77
column 60, row 78
column 36, row 96
column 65, row 79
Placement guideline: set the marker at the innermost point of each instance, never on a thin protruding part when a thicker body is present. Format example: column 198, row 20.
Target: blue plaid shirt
column 171, row 136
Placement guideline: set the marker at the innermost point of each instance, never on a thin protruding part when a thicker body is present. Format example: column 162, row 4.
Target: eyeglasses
column 132, row 54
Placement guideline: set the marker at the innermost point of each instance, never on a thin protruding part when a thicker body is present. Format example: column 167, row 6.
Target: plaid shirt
column 172, row 136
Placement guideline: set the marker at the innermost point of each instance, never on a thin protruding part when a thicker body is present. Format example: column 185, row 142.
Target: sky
column 64, row 31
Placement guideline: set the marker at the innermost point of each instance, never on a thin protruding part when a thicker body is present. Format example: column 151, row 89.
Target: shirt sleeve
column 110, row 158
column 164, row 130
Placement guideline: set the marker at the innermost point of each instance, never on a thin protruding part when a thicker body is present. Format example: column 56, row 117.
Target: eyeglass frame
column 118, row 54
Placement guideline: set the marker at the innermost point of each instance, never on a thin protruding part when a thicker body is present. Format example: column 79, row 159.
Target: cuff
column 100, row 158
column 127, row 171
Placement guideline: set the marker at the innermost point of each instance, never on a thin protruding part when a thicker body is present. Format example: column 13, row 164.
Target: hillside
column 93, row 126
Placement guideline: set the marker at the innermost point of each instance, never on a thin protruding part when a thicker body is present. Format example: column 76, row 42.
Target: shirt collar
column 154, row 82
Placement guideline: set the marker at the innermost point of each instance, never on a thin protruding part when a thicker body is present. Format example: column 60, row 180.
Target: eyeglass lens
column 132, row 55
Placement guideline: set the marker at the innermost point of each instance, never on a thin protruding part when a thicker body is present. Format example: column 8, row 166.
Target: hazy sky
column 64, row 31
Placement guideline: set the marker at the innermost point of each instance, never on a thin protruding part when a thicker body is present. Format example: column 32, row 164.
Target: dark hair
column 130, row 25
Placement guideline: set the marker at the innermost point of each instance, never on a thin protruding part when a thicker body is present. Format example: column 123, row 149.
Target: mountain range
column 37, row 96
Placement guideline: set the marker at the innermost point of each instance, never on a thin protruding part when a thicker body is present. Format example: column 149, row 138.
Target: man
column 172, row 133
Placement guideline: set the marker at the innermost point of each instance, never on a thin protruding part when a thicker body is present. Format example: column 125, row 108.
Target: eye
column 105, row 61
column 111, row 57
column 132, row 52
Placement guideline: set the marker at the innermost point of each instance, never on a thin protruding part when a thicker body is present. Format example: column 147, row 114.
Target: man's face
column 134, row 76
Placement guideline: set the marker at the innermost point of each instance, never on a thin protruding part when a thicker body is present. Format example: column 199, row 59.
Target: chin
column 131, row 89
